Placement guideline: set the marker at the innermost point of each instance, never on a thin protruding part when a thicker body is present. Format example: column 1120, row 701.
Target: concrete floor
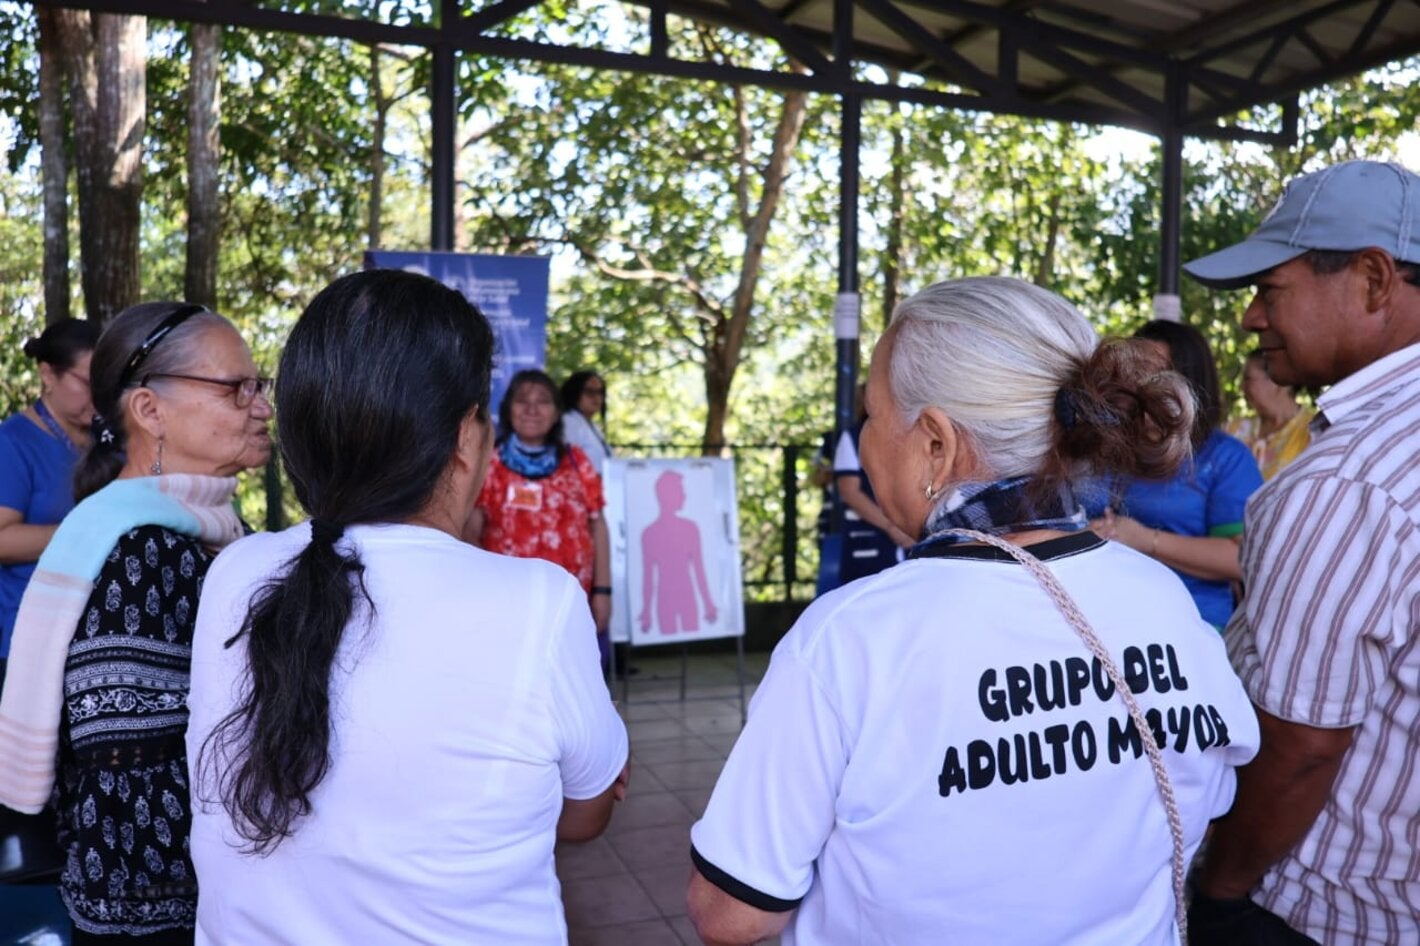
column 627, row 888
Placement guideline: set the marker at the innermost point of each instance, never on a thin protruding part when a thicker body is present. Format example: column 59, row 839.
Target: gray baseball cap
column 1349, row 206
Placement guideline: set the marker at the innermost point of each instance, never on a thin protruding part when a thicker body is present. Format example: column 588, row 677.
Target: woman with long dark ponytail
column 392, row 726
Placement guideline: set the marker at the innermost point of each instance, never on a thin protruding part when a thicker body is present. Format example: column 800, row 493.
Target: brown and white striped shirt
column 1329, row 636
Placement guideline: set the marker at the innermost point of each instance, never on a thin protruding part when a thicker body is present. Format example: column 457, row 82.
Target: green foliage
column 20, row 291
column 640, row 187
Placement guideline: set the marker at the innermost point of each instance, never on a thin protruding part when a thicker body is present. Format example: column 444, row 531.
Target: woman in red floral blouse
column 543, row 498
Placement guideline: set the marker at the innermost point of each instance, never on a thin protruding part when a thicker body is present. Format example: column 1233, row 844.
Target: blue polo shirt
column 36, row 472
column 1205, row 498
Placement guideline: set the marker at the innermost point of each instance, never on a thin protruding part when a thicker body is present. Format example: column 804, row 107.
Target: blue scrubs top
column 36, row 473
column 1205, row 498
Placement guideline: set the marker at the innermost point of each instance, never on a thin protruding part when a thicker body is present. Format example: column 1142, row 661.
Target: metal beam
column 1013, row 105
column 1339, row 69
column 1012, row 22
column 493, row 14
column 443, row 112
column 848, row 304
column 1171, row 196
column 788, row 37
column 890, row 14
column 262, row 18
column 1248, row 11
column 1286, row 27
column 660, row 34
column 1363, row 36
column 1092, row 76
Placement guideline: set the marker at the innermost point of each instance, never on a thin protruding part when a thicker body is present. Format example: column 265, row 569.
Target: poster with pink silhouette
column 675, row 550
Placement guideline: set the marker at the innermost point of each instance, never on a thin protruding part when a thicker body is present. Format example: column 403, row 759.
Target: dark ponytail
column 174, row 352
column 374, row 383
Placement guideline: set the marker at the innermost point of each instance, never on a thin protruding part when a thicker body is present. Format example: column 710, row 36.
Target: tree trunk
column 204, row 114
column 726, row 337
column 104, row 56
column 375, row 233
column 1045, row 267
column 54, row 169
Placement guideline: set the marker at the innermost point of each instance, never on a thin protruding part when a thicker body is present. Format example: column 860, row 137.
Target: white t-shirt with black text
column 935, row 757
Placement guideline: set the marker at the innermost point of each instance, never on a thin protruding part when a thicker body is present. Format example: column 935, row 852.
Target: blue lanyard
column 54, row 427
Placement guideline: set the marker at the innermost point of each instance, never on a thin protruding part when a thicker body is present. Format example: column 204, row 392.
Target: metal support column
column 444, row 124
column 1166, row 300
column 848, row 306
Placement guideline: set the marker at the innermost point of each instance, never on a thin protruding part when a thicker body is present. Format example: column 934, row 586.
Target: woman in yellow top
column 1281, row 430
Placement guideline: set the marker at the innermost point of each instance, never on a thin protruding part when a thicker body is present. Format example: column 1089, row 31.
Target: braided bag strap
column 1076, row 619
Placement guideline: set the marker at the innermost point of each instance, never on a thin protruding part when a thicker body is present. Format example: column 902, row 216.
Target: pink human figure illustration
column 670, row 550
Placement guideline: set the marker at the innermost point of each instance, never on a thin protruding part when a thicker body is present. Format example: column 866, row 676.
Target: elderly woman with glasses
column 98, row 676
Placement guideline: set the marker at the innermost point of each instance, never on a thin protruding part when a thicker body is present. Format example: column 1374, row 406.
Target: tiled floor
column 627, row 888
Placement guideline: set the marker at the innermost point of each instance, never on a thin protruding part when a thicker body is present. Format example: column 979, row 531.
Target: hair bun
column 1122, row 414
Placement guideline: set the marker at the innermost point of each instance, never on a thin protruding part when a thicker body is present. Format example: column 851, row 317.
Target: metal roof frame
column 1152, row 65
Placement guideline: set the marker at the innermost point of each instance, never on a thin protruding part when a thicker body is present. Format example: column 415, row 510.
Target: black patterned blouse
column 122, row 792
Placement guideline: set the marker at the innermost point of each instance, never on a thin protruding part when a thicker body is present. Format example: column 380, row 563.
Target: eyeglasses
column 244, row 390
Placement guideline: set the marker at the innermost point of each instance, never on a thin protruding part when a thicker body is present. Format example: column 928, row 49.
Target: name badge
column 525, row 496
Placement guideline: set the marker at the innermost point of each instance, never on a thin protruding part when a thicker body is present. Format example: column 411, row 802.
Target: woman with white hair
column 950, row 750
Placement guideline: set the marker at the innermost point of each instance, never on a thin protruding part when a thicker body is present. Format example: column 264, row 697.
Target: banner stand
column 675, row 562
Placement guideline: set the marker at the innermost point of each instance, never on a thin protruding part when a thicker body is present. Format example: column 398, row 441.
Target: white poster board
column 675, row 550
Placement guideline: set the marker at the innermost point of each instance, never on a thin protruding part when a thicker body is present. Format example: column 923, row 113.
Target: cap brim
column 1241, row 263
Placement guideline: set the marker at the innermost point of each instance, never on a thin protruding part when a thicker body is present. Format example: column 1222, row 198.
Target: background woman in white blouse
column 583, row 406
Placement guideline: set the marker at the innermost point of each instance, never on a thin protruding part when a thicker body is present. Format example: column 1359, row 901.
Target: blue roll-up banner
column 511, row 292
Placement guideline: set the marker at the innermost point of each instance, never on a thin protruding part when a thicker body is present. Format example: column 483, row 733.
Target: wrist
column 1154, row 544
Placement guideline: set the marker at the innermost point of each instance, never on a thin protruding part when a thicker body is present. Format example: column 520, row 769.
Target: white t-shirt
column 462, row 716
column 929, row 758
column 578, row 431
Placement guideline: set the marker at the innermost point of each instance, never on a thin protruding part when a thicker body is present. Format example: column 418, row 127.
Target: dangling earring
column 929, row 491
column 157, row 468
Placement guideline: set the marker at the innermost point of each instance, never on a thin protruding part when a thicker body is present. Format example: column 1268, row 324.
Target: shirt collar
column 1384, row 374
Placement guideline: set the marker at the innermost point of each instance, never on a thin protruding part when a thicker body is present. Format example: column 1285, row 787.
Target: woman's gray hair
column 992, row 353
column 175, row 353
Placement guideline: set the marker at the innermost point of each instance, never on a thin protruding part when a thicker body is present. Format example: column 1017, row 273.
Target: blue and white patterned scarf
column 999, row 507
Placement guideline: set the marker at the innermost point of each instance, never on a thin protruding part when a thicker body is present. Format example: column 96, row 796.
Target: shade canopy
column 1154, row 65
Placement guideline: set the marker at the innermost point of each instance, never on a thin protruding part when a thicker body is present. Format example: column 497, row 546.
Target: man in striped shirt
column 1321, row 843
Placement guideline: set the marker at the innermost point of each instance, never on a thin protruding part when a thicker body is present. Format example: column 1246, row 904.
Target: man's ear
column 1378, row 276
column 946, row 454
column 145, row 409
